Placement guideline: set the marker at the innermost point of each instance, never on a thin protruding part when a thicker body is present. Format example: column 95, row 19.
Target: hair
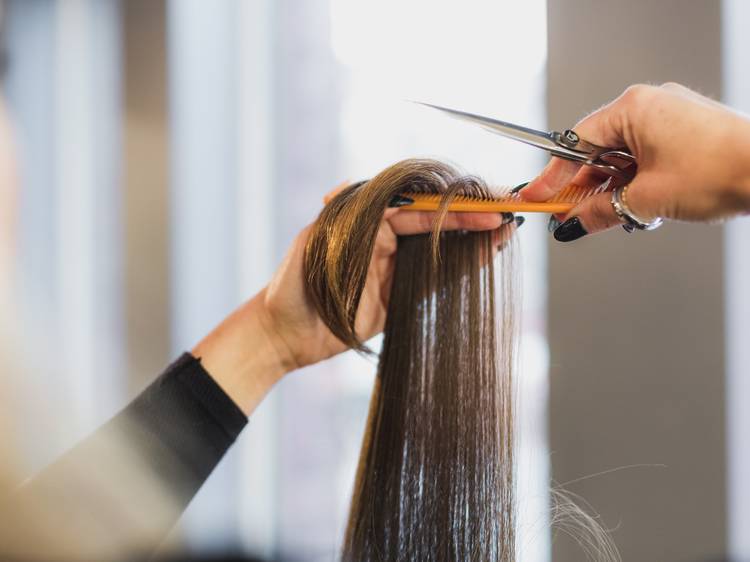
column 435, row 478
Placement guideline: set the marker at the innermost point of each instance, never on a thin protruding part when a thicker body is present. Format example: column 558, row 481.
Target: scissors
column 614, row 162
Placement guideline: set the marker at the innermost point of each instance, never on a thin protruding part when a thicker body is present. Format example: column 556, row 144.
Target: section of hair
column 435, row 478
column 581, row 526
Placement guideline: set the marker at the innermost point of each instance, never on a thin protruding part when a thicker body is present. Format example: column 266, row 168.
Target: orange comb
column 507, row 202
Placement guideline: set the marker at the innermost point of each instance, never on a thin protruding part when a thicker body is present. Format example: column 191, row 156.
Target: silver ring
column 627, row 216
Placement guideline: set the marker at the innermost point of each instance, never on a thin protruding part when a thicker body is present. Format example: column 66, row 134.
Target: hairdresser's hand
column 278, row 330
column 301, row 336
column 693, row 160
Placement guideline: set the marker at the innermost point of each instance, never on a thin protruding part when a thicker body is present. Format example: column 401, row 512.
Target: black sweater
column 125, row 486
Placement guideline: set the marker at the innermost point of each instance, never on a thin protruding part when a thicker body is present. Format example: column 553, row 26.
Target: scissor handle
column 616, row 163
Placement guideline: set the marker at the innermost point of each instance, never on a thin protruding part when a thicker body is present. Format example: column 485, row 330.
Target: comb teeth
column 505, row 201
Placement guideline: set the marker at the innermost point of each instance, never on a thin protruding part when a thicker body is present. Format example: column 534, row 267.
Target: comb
column 507, row 202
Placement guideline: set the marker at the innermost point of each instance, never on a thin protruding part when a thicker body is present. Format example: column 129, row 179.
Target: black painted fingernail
column 400, row 201
column 570, row 230
column 553, row 223
column 519, row 187
column 629, row 228
column 520, row 221
column 507, row 218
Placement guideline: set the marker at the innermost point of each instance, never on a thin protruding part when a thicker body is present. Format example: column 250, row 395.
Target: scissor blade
column 539, row 139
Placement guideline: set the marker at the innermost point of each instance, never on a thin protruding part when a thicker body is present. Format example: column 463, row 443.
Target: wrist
column 243, row 355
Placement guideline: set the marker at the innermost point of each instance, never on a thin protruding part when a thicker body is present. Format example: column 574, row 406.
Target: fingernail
column 400, row 201
column 629, row 228
column 519, row 187
column 553, row 223
column 520, row 221
column 507, row 218
column 570, row 230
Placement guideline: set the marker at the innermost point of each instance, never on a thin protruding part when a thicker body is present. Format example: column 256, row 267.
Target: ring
column 631, row 220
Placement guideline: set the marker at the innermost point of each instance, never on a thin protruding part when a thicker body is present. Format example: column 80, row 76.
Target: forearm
column 121, row 489
column 243, row 356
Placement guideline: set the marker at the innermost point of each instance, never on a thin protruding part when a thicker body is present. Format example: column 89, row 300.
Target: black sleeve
column 185, row 422
column 123, row 488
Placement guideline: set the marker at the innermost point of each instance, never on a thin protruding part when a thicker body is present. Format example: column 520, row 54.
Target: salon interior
column 167, row 153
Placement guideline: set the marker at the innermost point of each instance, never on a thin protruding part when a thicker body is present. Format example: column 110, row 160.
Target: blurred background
column 168, row 152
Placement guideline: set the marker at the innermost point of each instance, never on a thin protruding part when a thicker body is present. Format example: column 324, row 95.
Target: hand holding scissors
column 691, row 160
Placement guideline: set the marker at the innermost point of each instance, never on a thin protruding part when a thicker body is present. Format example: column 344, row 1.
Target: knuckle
column 470, row 222
column 672, row 86
column 426, row 221
column 600, row 215
column 485, row 221
column 637, row 93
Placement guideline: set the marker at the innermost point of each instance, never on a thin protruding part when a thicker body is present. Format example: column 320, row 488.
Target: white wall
column 736, row 62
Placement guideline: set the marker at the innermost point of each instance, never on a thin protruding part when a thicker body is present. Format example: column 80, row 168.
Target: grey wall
column 636, row 322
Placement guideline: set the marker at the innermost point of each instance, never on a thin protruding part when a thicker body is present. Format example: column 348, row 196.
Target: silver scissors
column 614, row 162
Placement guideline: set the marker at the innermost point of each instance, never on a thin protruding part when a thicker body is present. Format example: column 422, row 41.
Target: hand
column 303, row 337
column 278, row 330
column 693, row 160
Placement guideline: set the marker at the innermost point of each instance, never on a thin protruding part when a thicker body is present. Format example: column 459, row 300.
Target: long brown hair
column 435, row 478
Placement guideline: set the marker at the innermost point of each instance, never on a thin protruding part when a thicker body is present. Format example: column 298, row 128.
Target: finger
column 335, row 191
column 385, row 241
column 499, row 240
column 593, row 214
column 405, row 222
column 591, row 178
column 610, row 126
column 556, row 175
column 613, row 124
column 503, row 234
